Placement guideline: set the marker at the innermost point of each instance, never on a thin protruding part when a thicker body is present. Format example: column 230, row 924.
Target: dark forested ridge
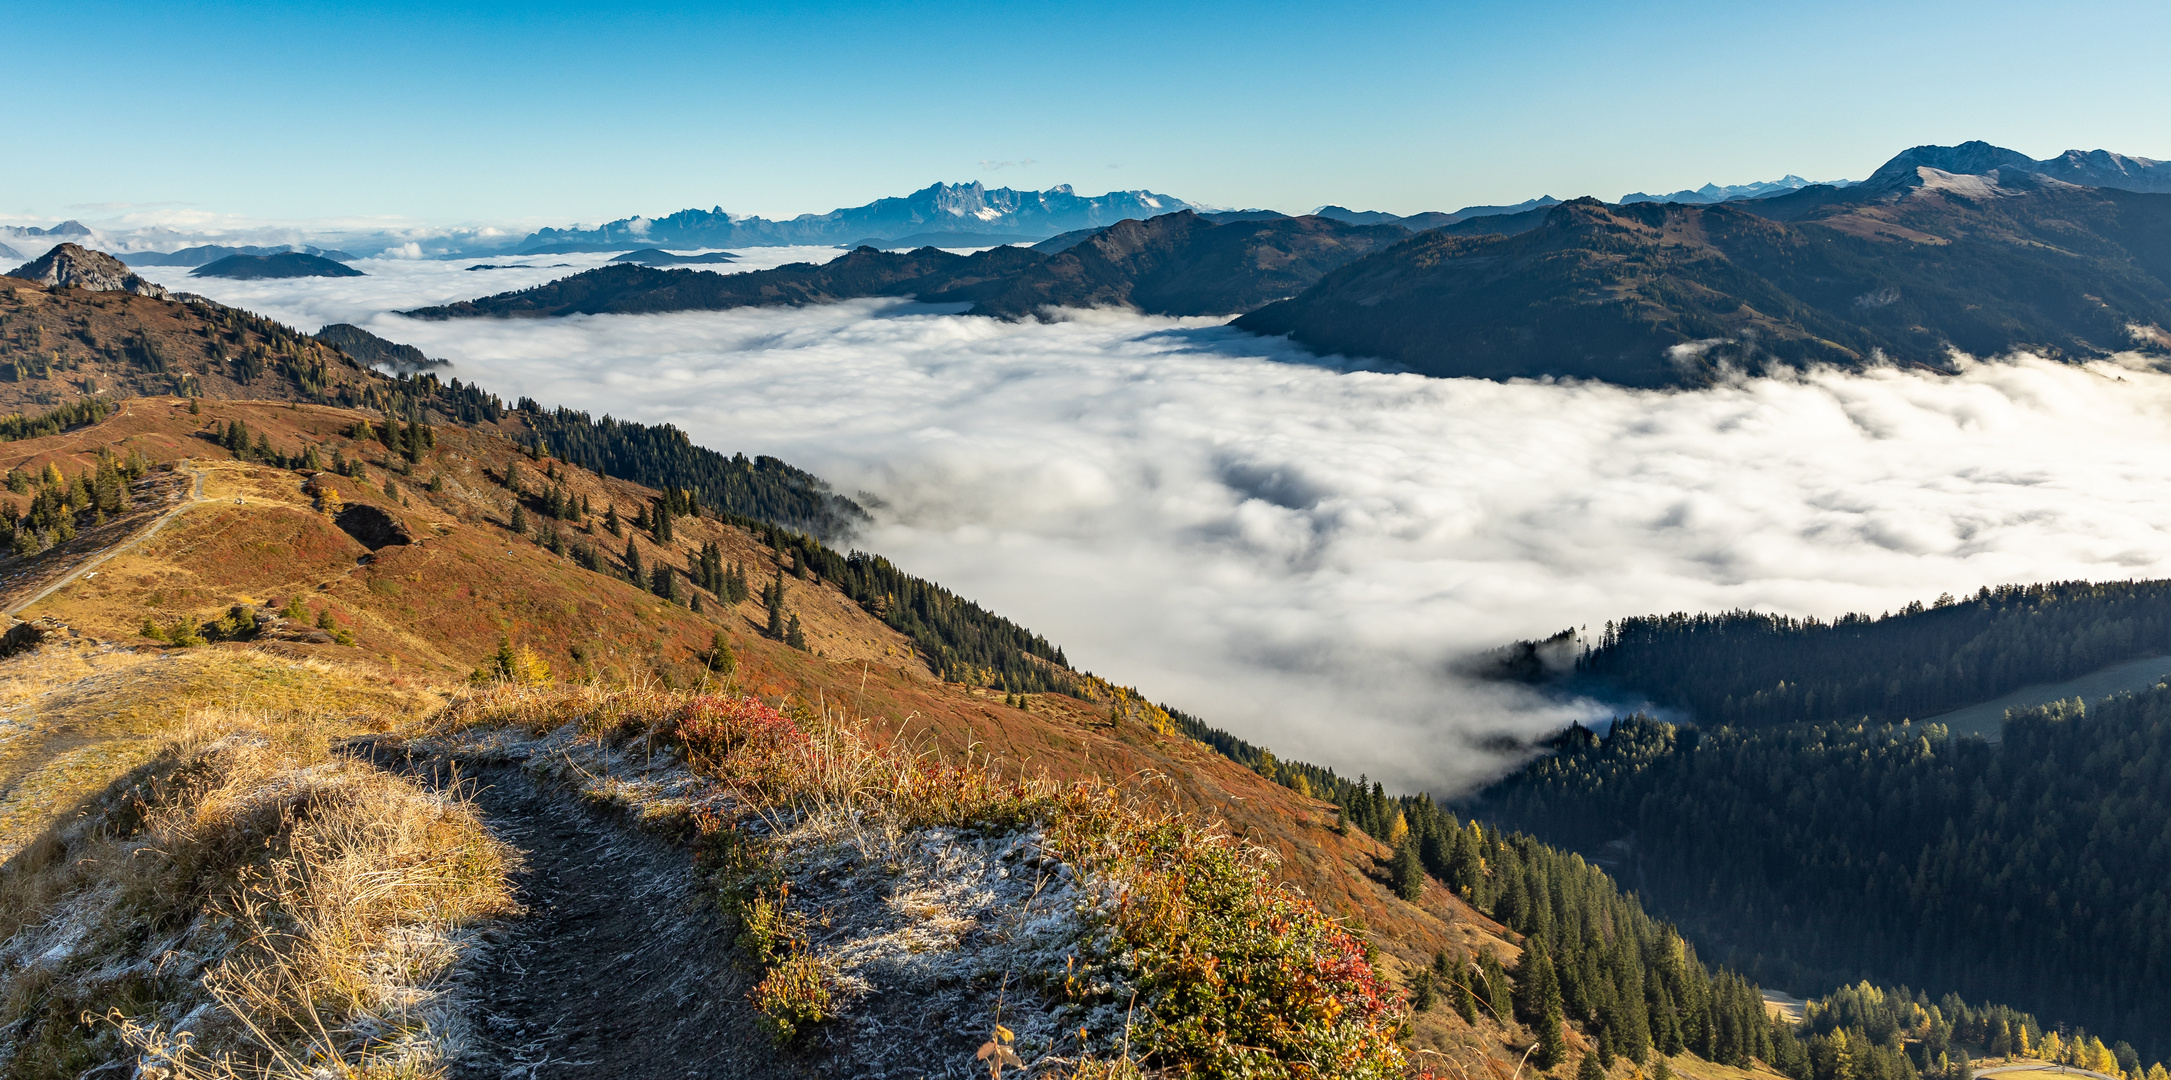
column 1175, row 264
column 661, row 456
column 2034, row 870
column 1750, row 668
column 1908, row 268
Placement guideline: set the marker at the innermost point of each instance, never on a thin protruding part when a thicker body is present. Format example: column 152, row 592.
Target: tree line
column 1747, row 667
column 661, row 456
column 2035, row 869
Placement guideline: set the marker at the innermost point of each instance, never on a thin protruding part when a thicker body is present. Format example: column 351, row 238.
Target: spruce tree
column 1552, row 1043
column 1498, row 998
column 610, row 521
column 776, row 608
column 520, row 518
column 719, row 657
column 793, row 637
column 1409, row 872
column 1423, row 995
column 1590, row 1069
column 1465, row 1001
column 634, row 572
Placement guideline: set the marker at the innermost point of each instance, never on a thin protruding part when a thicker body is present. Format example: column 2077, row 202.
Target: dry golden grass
column 74, row 719
column 245, row 904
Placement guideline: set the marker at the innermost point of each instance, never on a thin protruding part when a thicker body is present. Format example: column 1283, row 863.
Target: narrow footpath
column 618, row 968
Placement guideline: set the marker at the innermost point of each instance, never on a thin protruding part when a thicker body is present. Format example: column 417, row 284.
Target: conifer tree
column 1423, row 995
column 1499, row 1000
column 793, row 637
column 520, row 518
column 775, row 599
column 633, row 562
column 1590, row 1069
column 1552, row 1044
column 610, row 521
column 1465, row 1001
column 719, row 656
column 1409, row 873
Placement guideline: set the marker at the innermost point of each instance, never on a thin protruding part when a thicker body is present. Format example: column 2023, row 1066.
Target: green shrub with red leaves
column 1234, row 974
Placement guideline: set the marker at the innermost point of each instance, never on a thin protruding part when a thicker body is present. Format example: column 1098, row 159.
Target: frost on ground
column 243, row 902
column 926, row 938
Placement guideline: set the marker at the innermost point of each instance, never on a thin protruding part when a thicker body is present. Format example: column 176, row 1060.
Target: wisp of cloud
column 1302, row 553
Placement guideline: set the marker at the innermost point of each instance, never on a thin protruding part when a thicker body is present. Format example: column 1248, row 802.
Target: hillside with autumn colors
column 270, row 652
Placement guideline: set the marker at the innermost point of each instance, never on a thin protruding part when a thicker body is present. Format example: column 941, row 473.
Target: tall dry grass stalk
column 319, row 902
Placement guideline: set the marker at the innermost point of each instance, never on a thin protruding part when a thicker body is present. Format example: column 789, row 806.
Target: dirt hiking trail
column 618, row 967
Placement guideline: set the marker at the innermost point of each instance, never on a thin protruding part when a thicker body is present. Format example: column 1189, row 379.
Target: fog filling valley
column 1303, row 554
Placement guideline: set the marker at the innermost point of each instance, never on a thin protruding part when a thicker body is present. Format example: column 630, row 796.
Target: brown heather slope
column 61, row 344
column 427, row 614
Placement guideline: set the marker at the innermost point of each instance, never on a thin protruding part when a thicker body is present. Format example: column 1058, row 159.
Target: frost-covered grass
column 898, row 905
column 245, row 904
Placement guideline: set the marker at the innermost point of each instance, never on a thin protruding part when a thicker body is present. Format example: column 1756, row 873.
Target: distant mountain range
column 1711, row 193
column 1176, row 264
column 1968, row 247
column 950, row 209
column 210, row 253
column 656, row 257
column 1433, row 219
column 71, row 227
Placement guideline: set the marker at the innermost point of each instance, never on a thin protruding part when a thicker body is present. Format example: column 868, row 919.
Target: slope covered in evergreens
column 2034, row 870
column 1751, row 668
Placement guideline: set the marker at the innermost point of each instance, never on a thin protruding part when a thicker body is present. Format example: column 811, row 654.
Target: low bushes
column 1187, row 953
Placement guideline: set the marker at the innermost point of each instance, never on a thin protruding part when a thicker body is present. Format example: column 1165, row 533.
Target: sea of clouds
column 1304, row 552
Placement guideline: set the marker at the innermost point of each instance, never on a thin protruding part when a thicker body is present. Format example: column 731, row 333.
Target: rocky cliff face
column 96, row 271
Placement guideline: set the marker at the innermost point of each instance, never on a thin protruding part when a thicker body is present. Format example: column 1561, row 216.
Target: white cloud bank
column 1299, row 554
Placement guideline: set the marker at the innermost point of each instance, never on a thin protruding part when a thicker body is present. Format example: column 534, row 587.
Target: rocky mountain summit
column 938, row 208
column 96, row 271
column 2087, row 168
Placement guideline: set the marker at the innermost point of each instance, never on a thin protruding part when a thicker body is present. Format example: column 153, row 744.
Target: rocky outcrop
column 95, row 271
column 373, row 527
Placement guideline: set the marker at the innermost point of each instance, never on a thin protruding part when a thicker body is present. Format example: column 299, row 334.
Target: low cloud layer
column 1300, row 553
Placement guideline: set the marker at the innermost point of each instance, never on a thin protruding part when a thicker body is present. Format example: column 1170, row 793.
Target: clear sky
column 544, row 112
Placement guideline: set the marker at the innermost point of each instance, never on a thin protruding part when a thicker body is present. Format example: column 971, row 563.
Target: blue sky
column 548, row 112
